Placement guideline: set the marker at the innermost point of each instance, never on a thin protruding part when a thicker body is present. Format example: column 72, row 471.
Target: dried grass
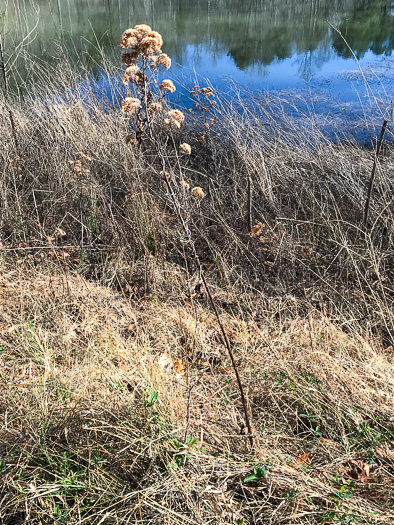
column 101, row 306
column 80, row 438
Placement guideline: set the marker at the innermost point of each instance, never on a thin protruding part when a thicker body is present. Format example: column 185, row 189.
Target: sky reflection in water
column 285, row 47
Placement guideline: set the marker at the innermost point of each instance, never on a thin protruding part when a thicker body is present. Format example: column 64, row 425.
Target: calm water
column 289, row 47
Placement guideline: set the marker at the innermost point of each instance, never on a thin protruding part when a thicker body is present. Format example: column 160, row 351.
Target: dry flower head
column 156, row 107
column 164, row 60
column 185, row 148
column 130, row 104
column 171, row 123
column 257, row 229
column 144, row 41
column 167, row 85
column 81, row 155
column 207, row 91
column 176, row 114
column 198, row 192
column 76, row 165
column 129, row 57
column 261, row 231
column 130, row 73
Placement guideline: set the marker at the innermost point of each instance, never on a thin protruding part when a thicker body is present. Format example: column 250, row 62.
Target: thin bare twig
column 371, row 180
column 250, row 218
column 226, row 341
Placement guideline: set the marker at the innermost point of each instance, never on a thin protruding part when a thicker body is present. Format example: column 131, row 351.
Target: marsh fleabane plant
column 143, row 60
column 142, row 63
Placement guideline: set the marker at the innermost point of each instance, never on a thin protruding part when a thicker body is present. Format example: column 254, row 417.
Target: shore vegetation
column 196, row 318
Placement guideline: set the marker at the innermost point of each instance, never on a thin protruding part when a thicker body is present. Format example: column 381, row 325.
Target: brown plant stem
column 5, row 79
column 186, row 229
column 191, row 385
column 372, row 179
column 250, row 217
column 245, row 403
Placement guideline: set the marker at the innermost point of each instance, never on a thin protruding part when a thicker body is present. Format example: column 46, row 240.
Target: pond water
column 338, row 54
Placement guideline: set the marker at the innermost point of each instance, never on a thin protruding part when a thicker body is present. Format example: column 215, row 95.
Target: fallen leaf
column 365, row 471
column 179, row 367
column 303, row 460
column 385, row 452
column 329, row 442
column 361, row 471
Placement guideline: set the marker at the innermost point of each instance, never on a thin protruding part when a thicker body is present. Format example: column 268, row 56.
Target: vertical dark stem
column 2, row 65
column 142, row 122
column 188, row 410
column 5, row 79
column 250, row 218
column 13, row 128
column 371, row 180
column 226, row 341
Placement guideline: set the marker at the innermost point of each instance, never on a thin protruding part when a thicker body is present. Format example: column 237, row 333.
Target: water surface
column 337, row 52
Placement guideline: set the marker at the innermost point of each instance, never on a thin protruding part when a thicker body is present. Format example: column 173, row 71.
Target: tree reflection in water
column 253, row 33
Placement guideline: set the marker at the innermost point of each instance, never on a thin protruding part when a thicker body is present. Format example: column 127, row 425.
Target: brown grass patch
column 82, row 440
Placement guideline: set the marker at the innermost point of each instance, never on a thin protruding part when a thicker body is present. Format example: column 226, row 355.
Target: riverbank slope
column 119, row 400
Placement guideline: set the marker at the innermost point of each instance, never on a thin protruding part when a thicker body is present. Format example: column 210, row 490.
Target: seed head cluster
column 176, row 114
column 142, row 59
column 257, row 229
column 170, row 123
column 164, row 60
column 78, row 166
column 130, row 73
column 174, row 119
column 156, row 107
column 130, row 57
column 167, row 85
column 142, row 39
column 205, row 91
column 185, row 148
column 198, row 192
column 146, row 44
column 130, row 104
